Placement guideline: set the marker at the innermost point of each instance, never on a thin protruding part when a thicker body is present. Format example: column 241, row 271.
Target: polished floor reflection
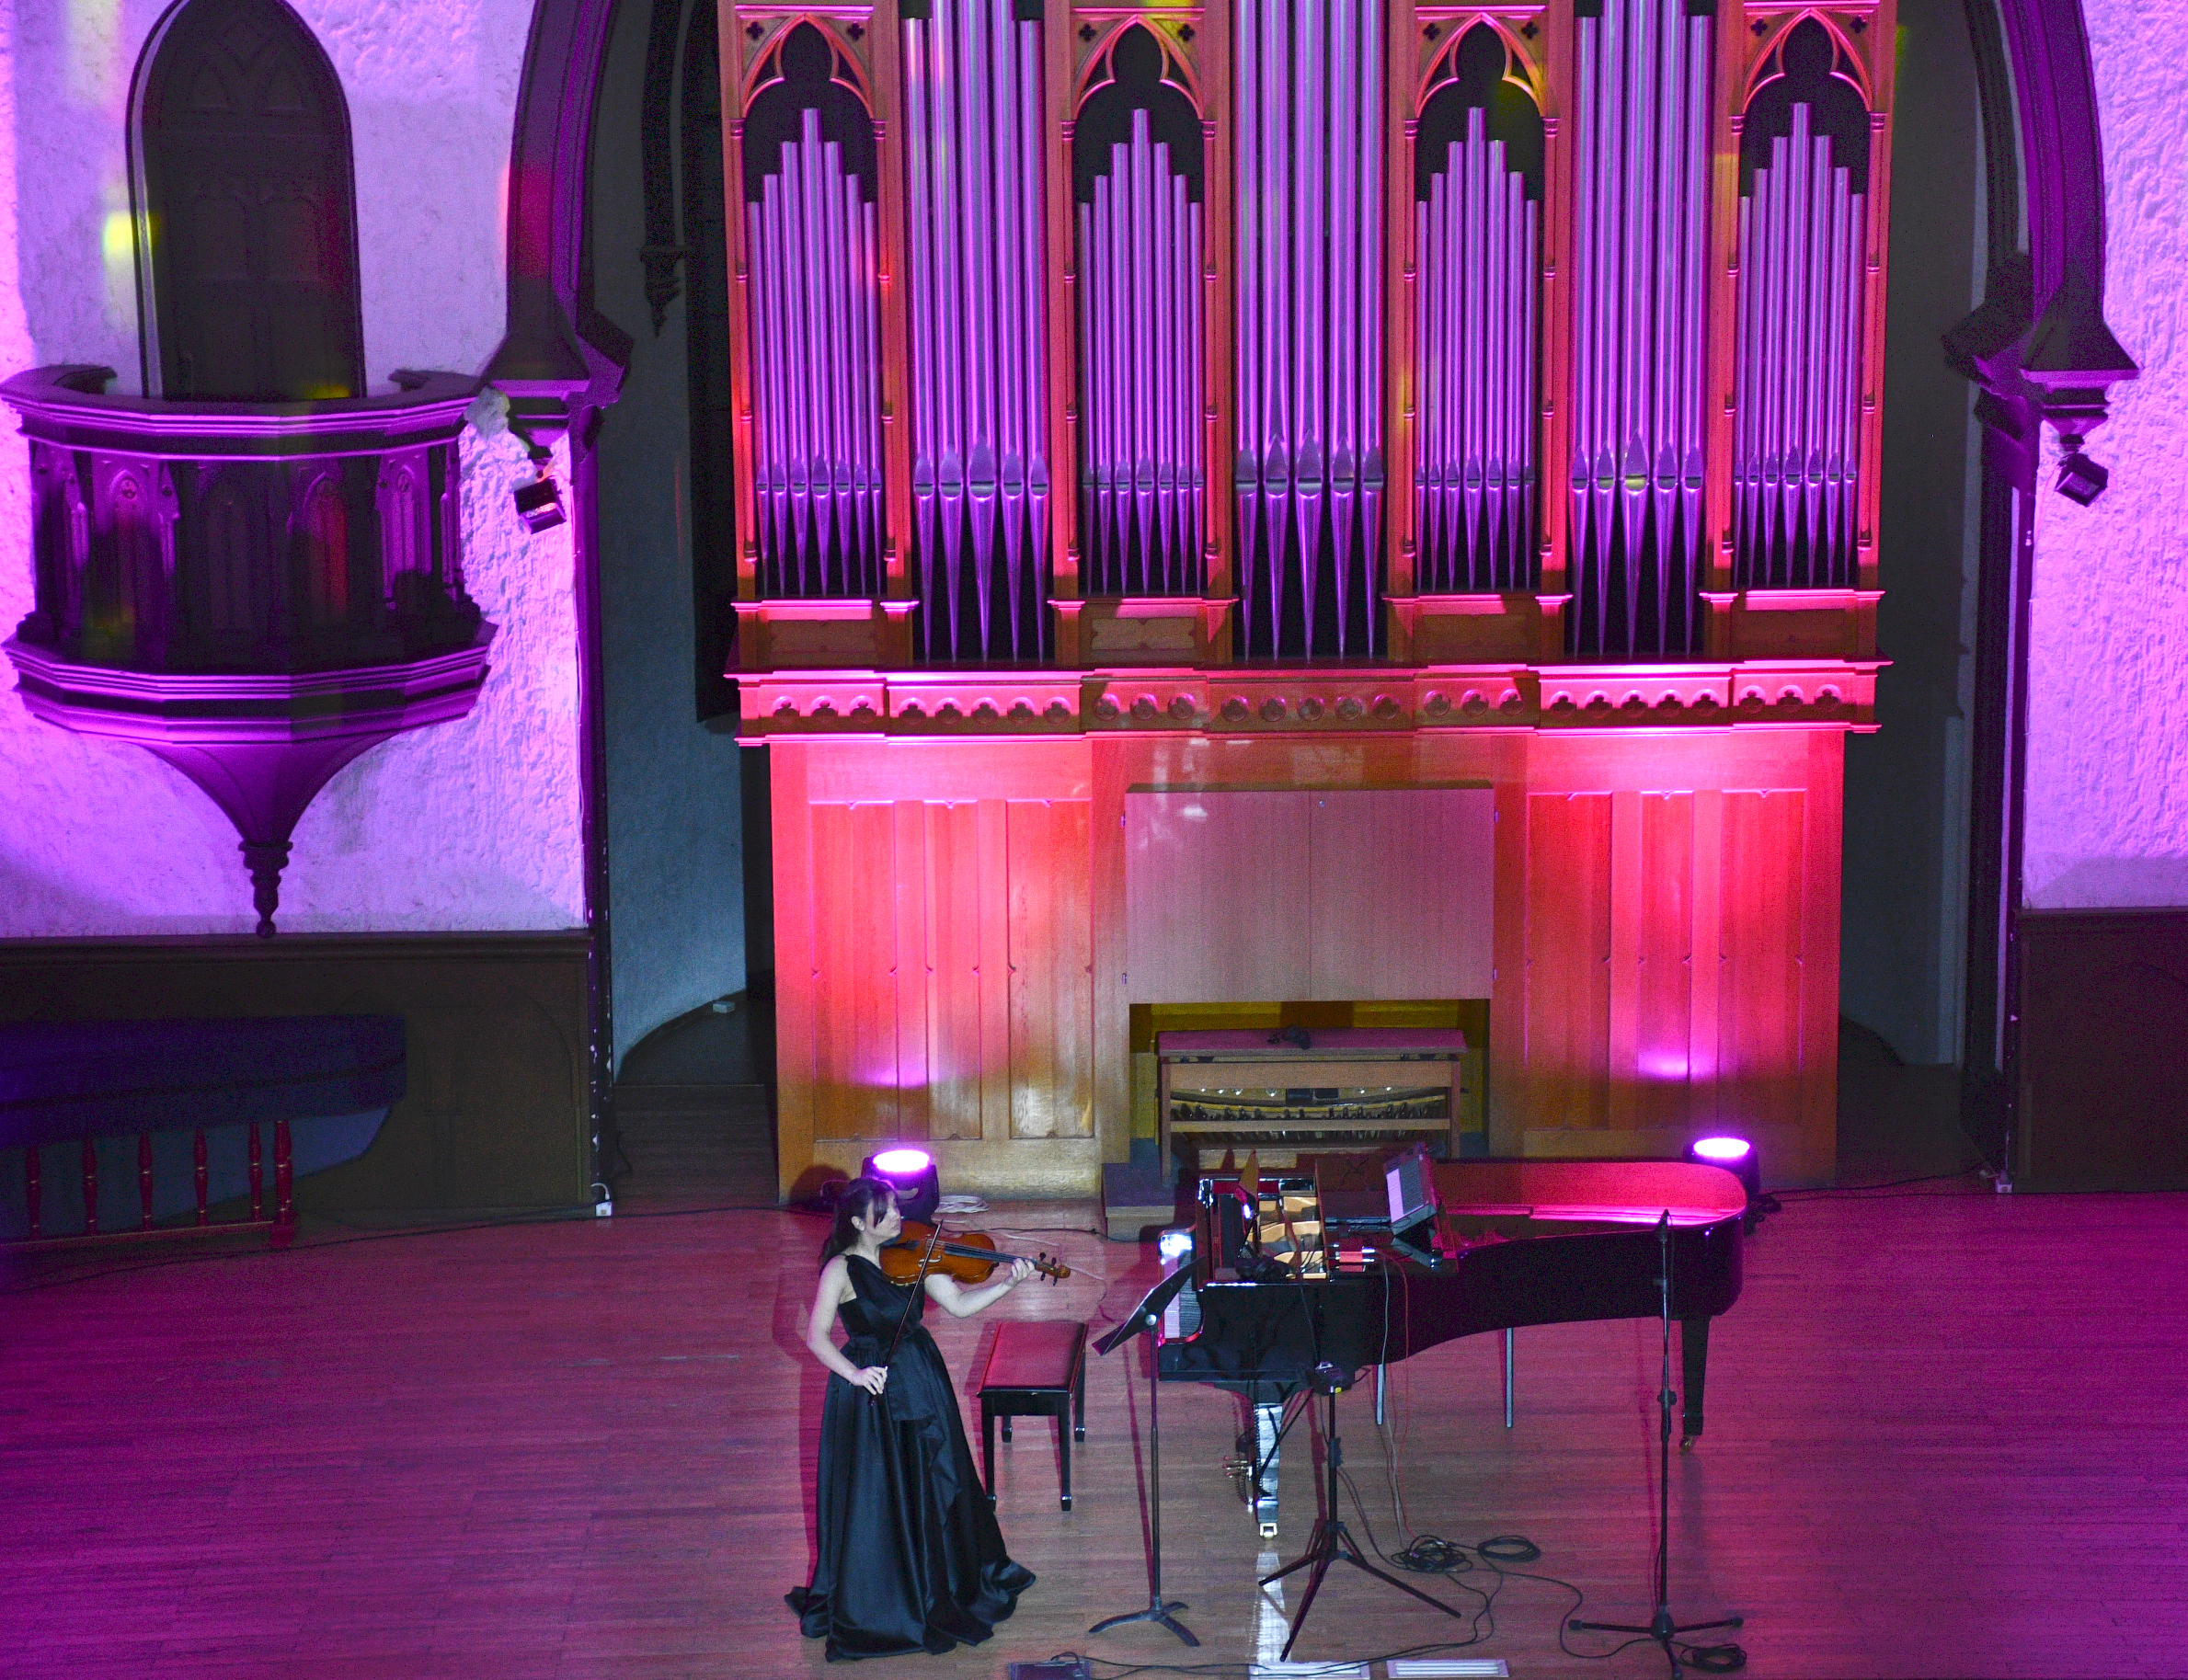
column 1947, row 1431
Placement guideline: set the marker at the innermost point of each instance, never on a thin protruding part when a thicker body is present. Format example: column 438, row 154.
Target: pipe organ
column 1344, row 392
column 1143, row 493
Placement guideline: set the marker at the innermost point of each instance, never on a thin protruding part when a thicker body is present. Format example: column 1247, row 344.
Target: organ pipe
column 818, row 471
column 1140, row 337
column 1308, row 96
column 894, row 251
column 1477, row 239
column 974, row 194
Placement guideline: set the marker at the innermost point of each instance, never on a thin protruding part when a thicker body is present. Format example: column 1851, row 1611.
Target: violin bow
column 932, row 1248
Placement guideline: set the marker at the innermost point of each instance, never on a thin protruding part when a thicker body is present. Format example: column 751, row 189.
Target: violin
column 967, row 1256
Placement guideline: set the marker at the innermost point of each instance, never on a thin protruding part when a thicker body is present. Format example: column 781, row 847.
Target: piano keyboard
column 1180, row 1319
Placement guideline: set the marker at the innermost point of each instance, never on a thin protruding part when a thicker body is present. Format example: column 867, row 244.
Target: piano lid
column 1611, row 1191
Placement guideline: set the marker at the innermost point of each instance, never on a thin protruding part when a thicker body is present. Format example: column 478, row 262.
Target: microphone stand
column 1331, row 1541
column 1662, row 1627
column 1146, row 1316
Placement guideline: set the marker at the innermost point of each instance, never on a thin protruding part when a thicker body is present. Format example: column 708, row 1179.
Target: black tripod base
column 1332, row 1543
column 1157, row 1612
column 1663, row 1630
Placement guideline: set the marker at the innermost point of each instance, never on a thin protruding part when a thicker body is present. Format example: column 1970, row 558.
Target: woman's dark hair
column 856, row 1200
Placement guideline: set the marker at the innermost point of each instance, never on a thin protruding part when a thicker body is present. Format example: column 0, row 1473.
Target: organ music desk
column 1347, row 1088
column 1519, row 1242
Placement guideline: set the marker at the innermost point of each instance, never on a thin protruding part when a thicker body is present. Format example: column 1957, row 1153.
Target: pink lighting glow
column 899, row 1161
column 1722, row 1151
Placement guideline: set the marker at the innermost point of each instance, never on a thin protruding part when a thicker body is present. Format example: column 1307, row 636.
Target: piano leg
column 1268, row 1456
column 1694, row 1360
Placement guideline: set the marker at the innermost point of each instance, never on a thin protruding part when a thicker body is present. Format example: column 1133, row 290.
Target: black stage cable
column 1124, row 1669
column 1496, row 1554
column 1894, row 1183
column 1432, row 1554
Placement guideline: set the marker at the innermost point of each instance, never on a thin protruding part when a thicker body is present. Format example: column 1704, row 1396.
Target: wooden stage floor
column 1948, row 1435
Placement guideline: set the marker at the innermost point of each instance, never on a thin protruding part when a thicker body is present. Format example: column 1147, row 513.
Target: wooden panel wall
column 1241, row 895
column 960, row 936
column 2105, row 1011
column 1216, row 892
column 942, row 925
column 1403, row 893
column 1052, row 985
column 497, row 1115
column 1681, row 952
column 1568, row 1021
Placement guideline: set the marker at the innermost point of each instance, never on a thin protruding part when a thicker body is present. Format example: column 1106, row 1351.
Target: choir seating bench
column 190, row 1095
column 1037, row 1369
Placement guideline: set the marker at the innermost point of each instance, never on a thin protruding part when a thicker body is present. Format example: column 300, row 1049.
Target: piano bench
column 1037, row 1369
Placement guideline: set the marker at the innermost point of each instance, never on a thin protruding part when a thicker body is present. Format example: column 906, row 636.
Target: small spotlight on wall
column 539, row 503
column 2082, row 480
column 912, row 1173
column 1737, row 1156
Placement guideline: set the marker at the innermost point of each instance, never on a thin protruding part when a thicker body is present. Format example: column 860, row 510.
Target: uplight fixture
column 1738, row 1156
column 910, row 1172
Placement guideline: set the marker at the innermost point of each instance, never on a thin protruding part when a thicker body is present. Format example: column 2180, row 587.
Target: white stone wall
column 468, row 824
column 432, row 93
column 2108, row 650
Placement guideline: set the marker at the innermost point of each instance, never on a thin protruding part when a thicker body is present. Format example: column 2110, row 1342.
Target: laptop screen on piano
column 1411, row 1184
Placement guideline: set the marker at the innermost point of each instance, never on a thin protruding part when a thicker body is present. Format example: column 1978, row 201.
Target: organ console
column 1335, row 1089
column 1517, row 1243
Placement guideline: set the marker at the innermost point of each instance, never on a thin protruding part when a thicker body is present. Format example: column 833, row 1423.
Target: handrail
column 67, row 404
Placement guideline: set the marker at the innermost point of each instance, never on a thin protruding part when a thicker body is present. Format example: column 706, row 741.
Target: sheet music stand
column 1145, row 1318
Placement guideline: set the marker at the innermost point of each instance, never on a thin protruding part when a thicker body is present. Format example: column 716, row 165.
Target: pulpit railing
column 243, row 537
column 256, row 592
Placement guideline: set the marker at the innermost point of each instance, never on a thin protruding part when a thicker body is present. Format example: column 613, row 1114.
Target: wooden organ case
column 1333, row 396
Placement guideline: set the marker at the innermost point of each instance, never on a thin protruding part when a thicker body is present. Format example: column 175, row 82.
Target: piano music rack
column 1288, row 1223
column 1291, row 1227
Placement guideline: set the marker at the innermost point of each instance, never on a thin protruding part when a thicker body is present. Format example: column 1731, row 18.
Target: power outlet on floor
column 1059, row 1668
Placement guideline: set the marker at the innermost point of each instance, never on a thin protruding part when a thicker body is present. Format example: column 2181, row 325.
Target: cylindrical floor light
column 1738, row 1156
column 910, row 1172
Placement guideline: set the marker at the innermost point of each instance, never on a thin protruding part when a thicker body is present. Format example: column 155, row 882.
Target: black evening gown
column 910, row 1558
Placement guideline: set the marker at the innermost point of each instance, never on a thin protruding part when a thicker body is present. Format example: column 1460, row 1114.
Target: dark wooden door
column 251, row 210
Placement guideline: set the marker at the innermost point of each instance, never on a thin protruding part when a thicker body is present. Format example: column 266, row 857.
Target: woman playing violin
column 910, row 1558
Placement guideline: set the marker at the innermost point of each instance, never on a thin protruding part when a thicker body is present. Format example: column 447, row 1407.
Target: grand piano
column 1516, row 1243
